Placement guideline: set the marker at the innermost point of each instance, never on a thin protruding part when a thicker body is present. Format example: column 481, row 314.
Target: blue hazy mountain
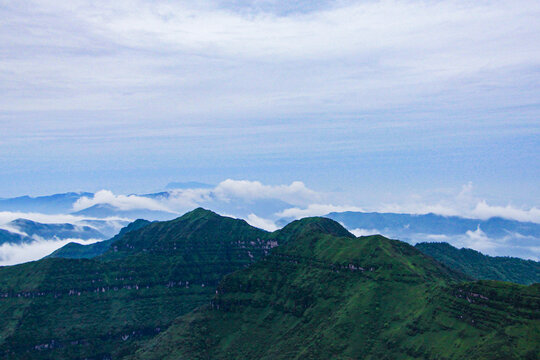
column 50, row 204
column 512, row 238
column 106, row 210
column 406, row 225
column 79, row 251
column 56, row 231
column 8, row 237
column 35, row 230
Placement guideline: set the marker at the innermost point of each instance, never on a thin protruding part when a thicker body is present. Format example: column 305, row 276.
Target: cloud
column 483, row 210
column 122, row 202
column 11, row 254
column 351, row 55
column 261, row 223
column 364, row 232
column 226, row 192
column 8, row 216
column 296, row 193
column 315, row 210
column 464, row 204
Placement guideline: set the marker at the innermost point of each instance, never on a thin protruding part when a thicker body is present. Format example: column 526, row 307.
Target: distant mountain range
column 514, row 238
column 106, row 211
column 406, row 226
column 496, row 236
column 205, row 286
column 50, row 204
column 33, row 230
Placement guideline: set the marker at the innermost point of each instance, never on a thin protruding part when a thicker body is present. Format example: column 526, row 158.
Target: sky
column 375, row 102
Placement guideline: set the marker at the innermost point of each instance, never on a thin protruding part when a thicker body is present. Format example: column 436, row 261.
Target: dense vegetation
column 325, row 297
column 480, row 266
column 78, row 251
column 102, row 308
column 235, row 294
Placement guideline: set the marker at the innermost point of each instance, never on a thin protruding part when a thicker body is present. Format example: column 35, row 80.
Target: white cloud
column 464, row 204
column 122, row 202
column 483, row 210
column 228, row 191
column 261, row 223
column 11, row 254
column 315, row 210
column 364, row 232
column 8, row 216
column 296, row 193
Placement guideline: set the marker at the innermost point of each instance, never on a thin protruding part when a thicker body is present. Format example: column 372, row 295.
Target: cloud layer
column 11, row 254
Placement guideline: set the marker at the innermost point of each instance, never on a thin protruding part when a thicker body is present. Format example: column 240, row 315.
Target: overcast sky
column 376, row 100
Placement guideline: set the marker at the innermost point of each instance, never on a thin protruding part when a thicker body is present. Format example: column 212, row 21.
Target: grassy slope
column 309, row 299
column 480, row 266
column 79, row 251
column 103, row 307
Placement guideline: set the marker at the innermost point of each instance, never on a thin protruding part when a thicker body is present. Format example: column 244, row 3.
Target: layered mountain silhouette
column 28, row 231
column 205, row 286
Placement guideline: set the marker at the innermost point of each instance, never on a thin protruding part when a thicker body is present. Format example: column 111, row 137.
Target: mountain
column 322, row 296
column 79, row 251
column 512, row 237
column 105, row 307
column 50, row 204
column 106, row 210
column 34, row 229
column 204, row 286
column 56, row 231
column 8, row 237
column 107, row 227
column 407, row 224
column 480, row 266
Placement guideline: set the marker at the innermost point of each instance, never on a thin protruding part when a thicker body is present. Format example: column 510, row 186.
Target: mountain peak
column 314, row 224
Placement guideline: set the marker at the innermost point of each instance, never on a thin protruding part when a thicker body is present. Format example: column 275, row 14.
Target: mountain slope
column 105, row 307
column 79, row 251
column 480, row 266
column 320, row 296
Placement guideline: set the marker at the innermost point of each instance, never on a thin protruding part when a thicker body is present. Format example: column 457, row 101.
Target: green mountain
column 205, row 286
column 79, row 251
column 480, row 266
column 322, row 296
column 105, row 307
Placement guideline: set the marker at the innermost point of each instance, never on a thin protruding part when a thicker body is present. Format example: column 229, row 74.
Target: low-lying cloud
column 11, row 254
column 122, row 202
column 465, row 204
column 315, row 210
column 261, row 223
